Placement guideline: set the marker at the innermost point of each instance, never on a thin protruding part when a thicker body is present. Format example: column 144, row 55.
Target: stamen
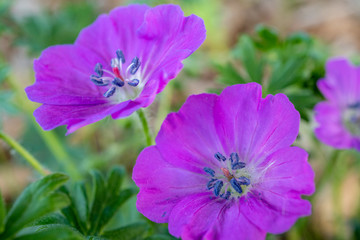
column 134, row 82
column 209, row 171
column 244, row 181
column 226, row 195
column 98, row 81
column 120, row 56
column 234, row 158
column 236, row 185
column 238, row 165
column 135, row 64
column 220, row 157
column 110, row 92
column 211, row 183
column 217, row 188
column 98, row 69
column 118, row 82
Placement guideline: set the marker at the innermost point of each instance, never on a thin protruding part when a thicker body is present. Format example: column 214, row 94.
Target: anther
column 120, row 56
column 244, row 181
column 118, row 82
column 135, row 64
column 217, row 188
column 238, row 165
column 220, row 157
column 211, row 184
column 110, row 92
column 209, row 171
column 236, row 185
column 133, row 82
column 98, row 69
column 97, row 81
column 226, row 195
column 234, row 158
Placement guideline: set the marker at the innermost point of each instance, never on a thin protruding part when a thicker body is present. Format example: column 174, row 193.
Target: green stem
column 145, row 125
column 24, row 153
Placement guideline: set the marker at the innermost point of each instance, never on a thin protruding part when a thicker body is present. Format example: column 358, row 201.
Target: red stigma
column 117, row 73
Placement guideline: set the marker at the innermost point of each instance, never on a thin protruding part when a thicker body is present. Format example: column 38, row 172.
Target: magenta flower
column 117, row 65
column 339, row 116
column 223, row 168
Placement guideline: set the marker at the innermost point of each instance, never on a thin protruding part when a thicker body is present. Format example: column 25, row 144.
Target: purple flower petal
column 160, row 184
column 276, row 202
column 331, row 130
column 255, row 127
column 188, row 139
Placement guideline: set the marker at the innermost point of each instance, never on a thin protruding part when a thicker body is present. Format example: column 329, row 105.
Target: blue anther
column 133, row 82
column 98, row 69
column 236, row 185
column 220, row 157
column 118, row 82
column 209, row 171
column 211, row 184
column 110, row 92
column 238, row 165
column 217, row 188
column 234, row 158
column 135, row 65
column 244, row 181
column 120, row 56
column 97, row 81
column 226, row 195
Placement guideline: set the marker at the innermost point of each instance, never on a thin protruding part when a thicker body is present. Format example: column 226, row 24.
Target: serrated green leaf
column 37, row 200
column 99, row 197
column 160, row 237
column 52, row 218
column 113, row 205
column 53, row 232
column 285, row 74
column 131, row 232
column 268, row 37
column 229, row 75
column 2, row 213
column 246, row 51
column 115, row 179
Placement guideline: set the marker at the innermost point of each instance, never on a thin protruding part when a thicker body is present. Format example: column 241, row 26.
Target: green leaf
column 245, row 50
column 37, row 200
column 131, row 232
column 284, row 75
column 52, row 218
column 53, row 232
column 268, row 37
column 99, row 197
column 160, row 237
column 229, row 75
column 2, row 213
column 115, row 179
column 113, row 205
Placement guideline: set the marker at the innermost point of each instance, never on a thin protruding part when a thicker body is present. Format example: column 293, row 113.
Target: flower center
column 118, row 76
column 351, row 119
column 231, row 180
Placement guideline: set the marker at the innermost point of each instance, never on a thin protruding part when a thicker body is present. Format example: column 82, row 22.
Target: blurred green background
column 282, row 44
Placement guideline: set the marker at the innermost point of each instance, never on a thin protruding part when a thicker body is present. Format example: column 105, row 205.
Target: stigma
column 118, row 77
column 229, row 181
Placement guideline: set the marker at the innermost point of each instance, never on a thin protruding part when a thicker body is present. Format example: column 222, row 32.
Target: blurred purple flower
column 339, row 116
column 117, row 65
column 223, row 168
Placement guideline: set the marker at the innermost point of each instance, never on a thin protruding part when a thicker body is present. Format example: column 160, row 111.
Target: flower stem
column 145, row 125
column 24, row 153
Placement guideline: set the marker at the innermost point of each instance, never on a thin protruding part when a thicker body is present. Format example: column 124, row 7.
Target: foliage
column 290, row 65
